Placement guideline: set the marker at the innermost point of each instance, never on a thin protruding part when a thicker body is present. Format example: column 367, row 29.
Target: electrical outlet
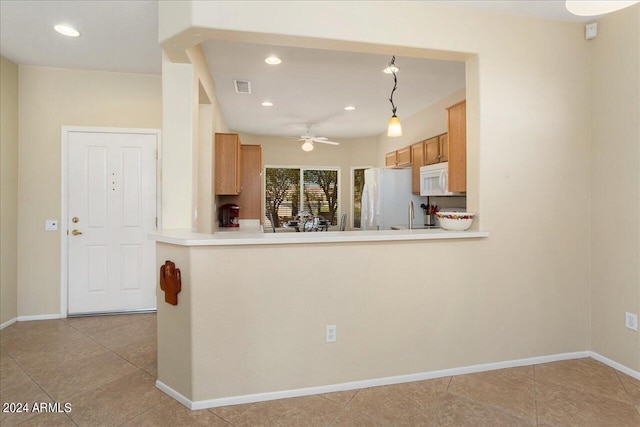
column 51, row 225
column 331, row 333
column 630, row 321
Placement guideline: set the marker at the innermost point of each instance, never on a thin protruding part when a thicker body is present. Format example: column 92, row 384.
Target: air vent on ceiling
column 242, row 86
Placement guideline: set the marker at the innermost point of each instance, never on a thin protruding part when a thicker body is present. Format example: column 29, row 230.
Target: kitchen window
column 290, row 192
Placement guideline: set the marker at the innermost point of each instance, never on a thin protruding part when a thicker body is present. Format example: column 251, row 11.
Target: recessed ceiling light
column 349, row 108
column 66, row 30
column 267, row 104
column 272, row 60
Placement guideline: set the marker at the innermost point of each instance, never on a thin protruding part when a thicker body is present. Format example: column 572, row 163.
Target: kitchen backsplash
column 447, row 202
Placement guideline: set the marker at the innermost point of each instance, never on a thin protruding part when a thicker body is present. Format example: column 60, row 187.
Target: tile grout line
column 535, row 392
column 440, row 404
column 39, row 386
column 499, row 408
column 108, row 351
column 229, row 421
column 627, row 391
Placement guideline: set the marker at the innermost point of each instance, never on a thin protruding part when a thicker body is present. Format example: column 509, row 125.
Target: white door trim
column 64, row 255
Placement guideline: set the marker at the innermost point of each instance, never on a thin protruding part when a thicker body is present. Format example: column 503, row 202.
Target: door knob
column 76, row 232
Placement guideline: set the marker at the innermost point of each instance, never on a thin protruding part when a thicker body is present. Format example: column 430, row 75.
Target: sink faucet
column 411, row 215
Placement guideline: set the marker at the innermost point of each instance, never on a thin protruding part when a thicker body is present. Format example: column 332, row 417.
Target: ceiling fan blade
column 321, row 138
column 328, row 142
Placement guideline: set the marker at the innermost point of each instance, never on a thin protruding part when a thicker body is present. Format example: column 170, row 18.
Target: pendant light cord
column 392, row 64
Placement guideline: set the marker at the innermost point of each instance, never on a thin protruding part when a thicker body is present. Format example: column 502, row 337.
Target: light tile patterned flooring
column 106, row 368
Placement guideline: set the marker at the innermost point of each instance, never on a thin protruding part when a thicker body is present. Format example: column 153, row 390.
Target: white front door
column 111, row 209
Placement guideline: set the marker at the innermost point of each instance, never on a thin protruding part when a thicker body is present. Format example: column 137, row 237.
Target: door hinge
column 156, row 153
column 156, row 223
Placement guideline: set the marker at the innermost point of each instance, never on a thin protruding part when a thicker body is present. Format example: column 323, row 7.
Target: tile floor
column 106, row 368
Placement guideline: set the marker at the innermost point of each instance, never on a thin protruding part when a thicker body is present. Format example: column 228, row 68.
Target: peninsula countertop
column 191, row 238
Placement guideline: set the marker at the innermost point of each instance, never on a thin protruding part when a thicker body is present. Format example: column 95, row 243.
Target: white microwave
column 434, row 180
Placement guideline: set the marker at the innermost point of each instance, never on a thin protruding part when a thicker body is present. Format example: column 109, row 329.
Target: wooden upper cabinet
column 390, row 159
column 417, row 157
column 227, row 166
column 457, row 126
column 432, row 151
column 404, row 157
column 398, row 159
column 443, row 141
column 250, row 198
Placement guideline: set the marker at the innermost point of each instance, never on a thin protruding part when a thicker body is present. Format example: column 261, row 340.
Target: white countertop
column 190, row 238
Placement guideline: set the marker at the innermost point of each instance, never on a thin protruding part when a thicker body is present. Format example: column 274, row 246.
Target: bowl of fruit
column 455, row 221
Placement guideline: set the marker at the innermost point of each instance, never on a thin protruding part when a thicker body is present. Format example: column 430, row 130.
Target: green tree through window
column 291, row 190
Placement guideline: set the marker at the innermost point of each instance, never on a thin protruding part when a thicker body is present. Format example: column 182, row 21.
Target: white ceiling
column 309, row 87
column 312, row 87
column 120, row 36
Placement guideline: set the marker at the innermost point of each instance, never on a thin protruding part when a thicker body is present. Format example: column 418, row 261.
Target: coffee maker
column 229, row 215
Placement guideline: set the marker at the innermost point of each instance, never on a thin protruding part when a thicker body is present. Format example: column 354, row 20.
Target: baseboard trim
column 8, row 323
column 261, row 397
column 177, row 396
column 615, row 365
column 39, row 317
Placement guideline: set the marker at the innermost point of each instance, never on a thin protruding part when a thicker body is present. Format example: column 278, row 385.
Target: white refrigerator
column 385, row 199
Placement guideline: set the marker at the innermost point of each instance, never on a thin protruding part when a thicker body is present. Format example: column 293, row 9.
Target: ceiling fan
column 309, row 140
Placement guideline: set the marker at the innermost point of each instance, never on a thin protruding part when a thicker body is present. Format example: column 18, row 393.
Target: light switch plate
column 591, row 31
column 51, row 225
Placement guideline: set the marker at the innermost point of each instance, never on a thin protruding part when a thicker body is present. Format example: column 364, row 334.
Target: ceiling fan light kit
column 395, row 128
column 309, row 140
column 595, row 8
column 308, row 145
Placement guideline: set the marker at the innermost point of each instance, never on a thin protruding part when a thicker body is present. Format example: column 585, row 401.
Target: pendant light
column 395, row 128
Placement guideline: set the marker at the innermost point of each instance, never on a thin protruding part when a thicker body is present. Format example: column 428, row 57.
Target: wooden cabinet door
column 443, row 141
column 404, row 157
column 417, row 160
column 250, row 198
column 227, row 167
column 390, row 160
column 457, row 125
column 432, row 151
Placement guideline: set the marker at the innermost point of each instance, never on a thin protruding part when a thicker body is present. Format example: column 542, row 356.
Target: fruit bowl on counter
column 455, row 221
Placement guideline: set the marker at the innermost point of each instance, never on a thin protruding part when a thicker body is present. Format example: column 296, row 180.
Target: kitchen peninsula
column 246, row 329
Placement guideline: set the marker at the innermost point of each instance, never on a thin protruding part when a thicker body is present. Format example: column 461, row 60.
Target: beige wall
column 48, row 99
column 9, row 190
column 524, row 291
column 210, row 119
column 179, row 120
column 615, row 186
column 256, row 330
